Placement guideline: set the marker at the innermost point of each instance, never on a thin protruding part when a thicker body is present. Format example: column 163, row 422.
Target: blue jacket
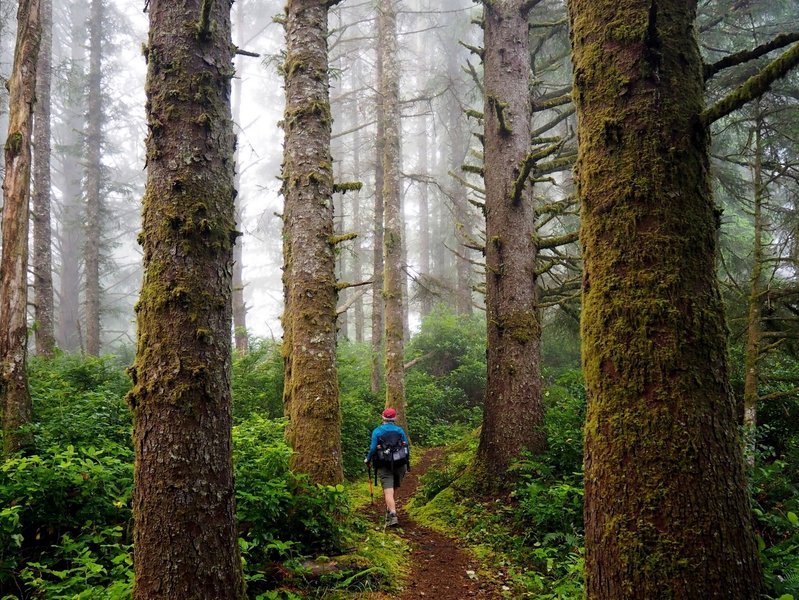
column 379, row 431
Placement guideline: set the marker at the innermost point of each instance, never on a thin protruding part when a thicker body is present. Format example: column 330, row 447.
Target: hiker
column 390, row 455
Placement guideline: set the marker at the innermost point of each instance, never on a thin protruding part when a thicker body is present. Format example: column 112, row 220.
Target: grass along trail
column 440, row 569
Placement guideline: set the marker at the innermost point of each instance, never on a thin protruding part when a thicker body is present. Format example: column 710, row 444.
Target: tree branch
column 754, row 87
column 737, row 58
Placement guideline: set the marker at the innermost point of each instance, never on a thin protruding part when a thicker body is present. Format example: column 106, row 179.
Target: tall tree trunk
column 753, row 321
column 42, row 230
column 357, row 219
column 666, row 506
column 424, row 221
column 71, row 230
column 513, row 415
column 94, row 179
column 240, row 334
column 463, row 222
column 310, row 393
column 185, row 537
column 378, row 308
column 340, row 227
column 14, row 260
column 392, row 212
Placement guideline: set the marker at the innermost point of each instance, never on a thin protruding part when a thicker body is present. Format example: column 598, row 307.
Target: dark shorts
column 389, row 478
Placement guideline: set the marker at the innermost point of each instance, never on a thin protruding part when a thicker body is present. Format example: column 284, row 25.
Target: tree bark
column 310, row 394
column 377, row 247
column 94, row 179
column 185, row 537
column 666, row 506
column 44, row 332
column 463, row 222
column 240, row 335
column 357, row 219
column 513, row 415
column 70, row 236
column 754, row 313
column 14, row 260
column 394, row 330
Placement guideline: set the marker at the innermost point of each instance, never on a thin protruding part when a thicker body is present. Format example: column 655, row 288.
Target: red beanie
column 390, row 414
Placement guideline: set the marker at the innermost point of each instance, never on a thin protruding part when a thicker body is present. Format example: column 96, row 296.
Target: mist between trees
column 332, row 197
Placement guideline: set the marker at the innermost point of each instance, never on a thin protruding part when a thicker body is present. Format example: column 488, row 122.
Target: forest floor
column 440, row 568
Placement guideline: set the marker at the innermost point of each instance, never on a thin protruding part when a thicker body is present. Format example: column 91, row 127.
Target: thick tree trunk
column 666, row 506
column 94, row 177
column 42, row 230
column 309, row 322
column 14, row 260
column 513, row 415
column 378, row 311
column 394, row 330
column 185, row 537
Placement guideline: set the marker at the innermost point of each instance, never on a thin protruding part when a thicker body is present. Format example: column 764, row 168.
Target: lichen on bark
column 666, row 510
column 310, row 394
column 185, row 536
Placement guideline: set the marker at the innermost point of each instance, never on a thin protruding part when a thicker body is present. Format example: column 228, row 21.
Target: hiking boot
column 391, row 520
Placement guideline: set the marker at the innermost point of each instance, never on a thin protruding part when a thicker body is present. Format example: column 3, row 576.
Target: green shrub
column 257, row 381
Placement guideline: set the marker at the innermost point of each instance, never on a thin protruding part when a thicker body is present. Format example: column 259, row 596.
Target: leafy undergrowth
column 65, row 510
column 531, row 539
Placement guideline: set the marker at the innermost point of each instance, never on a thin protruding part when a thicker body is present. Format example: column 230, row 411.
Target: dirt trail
column 440, row 570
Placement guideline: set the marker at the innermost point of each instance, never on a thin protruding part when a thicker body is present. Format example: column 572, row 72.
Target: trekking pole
column 371, row 491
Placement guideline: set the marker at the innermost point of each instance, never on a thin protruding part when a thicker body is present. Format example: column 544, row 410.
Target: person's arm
column 372, row 447
column 408, row 445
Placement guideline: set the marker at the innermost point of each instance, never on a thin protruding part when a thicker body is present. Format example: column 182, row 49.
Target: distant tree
column 393, row 274
column 240, row 334
column 70, row 210
column 378, row 309
column 14, row 259
column 310, row 393
column 42, row 258
column 94, row 178
column 513, row 413
column 667, row 512
column 185, row 536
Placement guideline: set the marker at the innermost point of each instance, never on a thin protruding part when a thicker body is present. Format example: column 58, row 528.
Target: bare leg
column 388, row 494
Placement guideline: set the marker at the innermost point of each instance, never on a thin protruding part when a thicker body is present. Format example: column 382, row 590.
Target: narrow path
column 440, row 569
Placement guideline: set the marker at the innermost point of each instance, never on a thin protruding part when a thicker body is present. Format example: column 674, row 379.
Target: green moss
column 14, row 143
column 334, row 240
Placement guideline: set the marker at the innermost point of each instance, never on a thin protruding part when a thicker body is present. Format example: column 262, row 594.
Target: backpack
column 392, row 451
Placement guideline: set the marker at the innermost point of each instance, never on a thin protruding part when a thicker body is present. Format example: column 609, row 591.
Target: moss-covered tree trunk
column 666, row 508
column 14, row 260
column 185, row 536
column 394, row 330
column 310, row 393
column 94, row 179
column 513, row 415
column 42, row 259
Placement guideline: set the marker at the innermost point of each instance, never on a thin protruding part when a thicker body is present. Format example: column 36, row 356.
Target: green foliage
column 445, row 389
column 775, row 495
column 360, row 409
column 257, row 381
column 535, row 535
column 281, row 514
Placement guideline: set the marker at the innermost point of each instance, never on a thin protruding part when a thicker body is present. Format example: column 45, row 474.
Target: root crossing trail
column 440, row 570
